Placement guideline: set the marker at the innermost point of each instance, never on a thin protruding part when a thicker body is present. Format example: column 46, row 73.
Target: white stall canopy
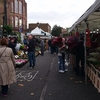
column 38, row 32
column 91, row 16
column 48, row 34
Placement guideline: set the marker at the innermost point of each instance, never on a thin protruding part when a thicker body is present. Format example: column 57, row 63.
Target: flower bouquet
column 20, row 62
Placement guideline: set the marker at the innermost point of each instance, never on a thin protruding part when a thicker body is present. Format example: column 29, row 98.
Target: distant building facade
column 16, row 14
column 44, row 26
column 64, row 31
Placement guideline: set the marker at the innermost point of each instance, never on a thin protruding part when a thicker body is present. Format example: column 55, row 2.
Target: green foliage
column 22, row 46
column 14, row 33
column 8, row 29
column 56, row 30
column 94, row 54
column 19, row 36
column 93, row 61
column 98, row 49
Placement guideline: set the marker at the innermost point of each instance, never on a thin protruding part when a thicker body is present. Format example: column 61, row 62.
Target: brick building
column 15, row 12
column 44, row 26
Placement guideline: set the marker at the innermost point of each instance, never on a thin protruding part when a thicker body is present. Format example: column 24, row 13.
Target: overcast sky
column 56, row 12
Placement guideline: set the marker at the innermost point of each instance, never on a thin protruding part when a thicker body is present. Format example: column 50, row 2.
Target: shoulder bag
column 3, row 52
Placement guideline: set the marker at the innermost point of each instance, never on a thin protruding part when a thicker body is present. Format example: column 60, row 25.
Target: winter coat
column 31, row 45
column 12, row 46
column 7, row 66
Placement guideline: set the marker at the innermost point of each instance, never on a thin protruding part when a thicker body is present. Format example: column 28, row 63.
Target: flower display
column 20, row 62
column 94, row 59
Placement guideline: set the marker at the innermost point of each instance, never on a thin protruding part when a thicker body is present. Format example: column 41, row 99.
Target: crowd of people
column 7, row 59
column 73, row 47
column 76, row 51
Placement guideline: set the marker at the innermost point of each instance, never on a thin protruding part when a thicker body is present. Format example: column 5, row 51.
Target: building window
column 12, row 21
column 20, row 7
column 16, row 6
column 23, row 10
column 23, row 23
column 12, row 7
column 20, row 22
column 16, row 21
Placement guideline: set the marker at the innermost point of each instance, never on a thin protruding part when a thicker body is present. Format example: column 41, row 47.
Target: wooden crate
column 98, row 81
column 89, row 73
column 94, row 75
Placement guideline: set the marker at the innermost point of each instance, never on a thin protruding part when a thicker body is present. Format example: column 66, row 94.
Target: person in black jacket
column 12, row 45
column 80, row 56
column 31, row 51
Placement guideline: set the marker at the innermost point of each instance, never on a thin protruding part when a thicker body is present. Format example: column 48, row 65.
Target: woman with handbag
column 7, row 66
column 61, row 55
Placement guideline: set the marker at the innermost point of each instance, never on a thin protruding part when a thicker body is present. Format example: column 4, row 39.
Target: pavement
column 44, row 82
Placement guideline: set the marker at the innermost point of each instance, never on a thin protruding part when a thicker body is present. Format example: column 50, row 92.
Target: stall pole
column 85, row 64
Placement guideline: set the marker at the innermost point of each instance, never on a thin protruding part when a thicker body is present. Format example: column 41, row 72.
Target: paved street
column 44, row 82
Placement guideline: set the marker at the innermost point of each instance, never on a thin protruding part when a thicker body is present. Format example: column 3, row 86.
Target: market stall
column 21, row 58
column 88, row 23
column 38, row 32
